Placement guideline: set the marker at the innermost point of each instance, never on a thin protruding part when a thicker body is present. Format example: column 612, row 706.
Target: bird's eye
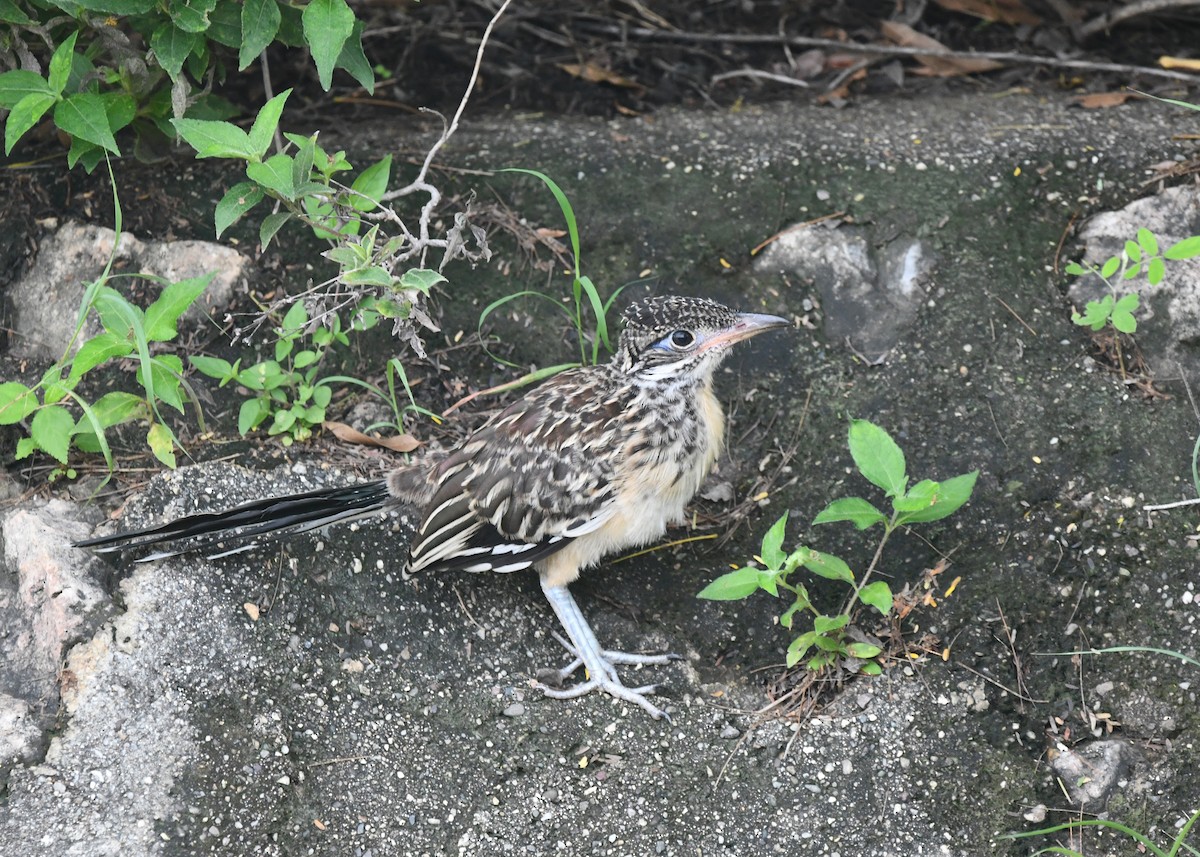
column 682, row 338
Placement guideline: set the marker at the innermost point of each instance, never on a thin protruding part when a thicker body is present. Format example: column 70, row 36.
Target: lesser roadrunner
column 597, row 459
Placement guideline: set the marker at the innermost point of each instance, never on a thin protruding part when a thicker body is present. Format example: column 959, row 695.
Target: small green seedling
column 881, row 462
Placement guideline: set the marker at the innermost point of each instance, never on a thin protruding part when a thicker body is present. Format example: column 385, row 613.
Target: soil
column 359, row 714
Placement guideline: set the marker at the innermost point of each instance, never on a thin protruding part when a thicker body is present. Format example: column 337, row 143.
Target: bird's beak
column 748, row 324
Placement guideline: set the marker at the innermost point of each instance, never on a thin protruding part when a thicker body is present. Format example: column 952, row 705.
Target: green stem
column 888, row 528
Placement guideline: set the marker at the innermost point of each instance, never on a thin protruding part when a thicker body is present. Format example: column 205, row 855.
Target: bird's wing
column 537, row 476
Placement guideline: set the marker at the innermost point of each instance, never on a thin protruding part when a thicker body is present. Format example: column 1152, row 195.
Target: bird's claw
column 550, row 681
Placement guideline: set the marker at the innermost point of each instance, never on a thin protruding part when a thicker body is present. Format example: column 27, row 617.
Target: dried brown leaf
column 1179, row 62
column 1000, row 11
column 396, row 443
column 596, row 74
column 906, row 36
column 1099, row 100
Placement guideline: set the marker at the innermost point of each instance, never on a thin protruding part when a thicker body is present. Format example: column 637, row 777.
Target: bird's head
column 683, row 338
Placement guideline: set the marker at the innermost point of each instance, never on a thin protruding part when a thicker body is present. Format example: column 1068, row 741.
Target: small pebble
column 730, row 732
column 514, row 710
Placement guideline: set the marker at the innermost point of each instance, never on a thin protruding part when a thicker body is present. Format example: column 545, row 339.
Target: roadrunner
column 596, row 460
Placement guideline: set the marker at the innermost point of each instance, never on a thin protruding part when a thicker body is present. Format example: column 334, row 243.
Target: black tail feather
column 296, row 513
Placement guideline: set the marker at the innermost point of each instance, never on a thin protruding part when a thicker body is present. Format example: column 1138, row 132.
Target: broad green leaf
column 83, row 152
column 120, row 108
column 877, row 457
column 1188, row 248
column 10, row 13
column 25, row 448
column 1095, row 314
column 305, row 358
column 171, row 46
column 788, row 616
column 919, row 496
column 1155, row 271
column 16, row 402
column 825, row 624
column 284, row 420
column 251, row 415
column 24, row 115
column 1122, row 314
column 225, row 25
column 165, row 370
column 732, row 586
column 162, row 444
column 862, row 651
column 265, row 123
column 327, row 25
column 60, row 64
column 1149, row 243
column 1075, row 269
column 877, row 595
column 114, row 408
column 421, row 279
column 51, row 429
column 15, row 85
column 295, row 318
column 213, row 367
column 117, row 7
column 371, row 183
column 260, row 23
column 271, row 224
column 828, row 566
column 355, row 62
column 192, row 17
column 213, row 139
column 302, row 164
column 372, row 276
column 772, row 544
column 239, row 199
column 1133, row 251
column 274, row 174
column 1110, row 267
column 117, row 315
column 951, row 495
column 164, row 313
column 97, row 350
column 799, row 647
column 854, row 509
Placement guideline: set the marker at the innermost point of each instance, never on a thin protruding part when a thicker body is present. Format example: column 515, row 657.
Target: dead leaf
column 595, row 74
column 1000, row 11
column 546, row 232
column 907, row 37
column 1099, row 100
column 396, row 443
column 1180, row 62
column 843, row 91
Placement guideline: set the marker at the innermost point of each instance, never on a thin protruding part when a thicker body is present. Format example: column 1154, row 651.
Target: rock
column 1168, row 315
column 1093, row 771
column 46, row 299
column 869, row 297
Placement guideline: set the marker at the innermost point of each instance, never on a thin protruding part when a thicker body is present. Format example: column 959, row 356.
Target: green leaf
column 799, row 647
column 251, row 415
column 732, row 586
column 239, row 199
column 15, row 85
column 260, row 23
column 117, row 315
column 83, row 115
column 1110, row 267
column 1122, row 313
column 372, row 276
column 1149, row 243
column 327, row 25
column 213, row 367
column 1155, row 271
column 1075, row 269
column 421, row 279
column 16, row 402
column 951, row 495
column 877, row 457
column 25, row 114
column 271, row 224
column 192, row 17
column 265, row 123
column 164, row 313
column 305, row 358
column 1095, row 314
column 116, row 7
column 120, row 108
column 225, row 27
column 25, row 448
column 854, row 509
column 295, row 318
column 919, row 496
column 60, row 64
column 372, row 184
column 162, row 444
column 51, row 429
column 824, row 625
column 10, row 13
column 171, row 47
column 1133, row 251
column 355, row 62
column 828, row 566
column 1188, row 248
column 877, row 595
column 165, row 370
column 213, row 139
column 862, row 651
column 97, row 350
column 772, row 544
column 274, row 174
column 114, row 408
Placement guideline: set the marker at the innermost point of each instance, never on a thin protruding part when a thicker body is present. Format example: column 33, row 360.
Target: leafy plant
column 117, row 64
column 1139, row 257
column 582, row 288
column 1145, row 844
column 881, row 462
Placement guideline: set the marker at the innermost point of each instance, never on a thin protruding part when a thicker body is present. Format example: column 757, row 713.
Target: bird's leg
column 600, row 664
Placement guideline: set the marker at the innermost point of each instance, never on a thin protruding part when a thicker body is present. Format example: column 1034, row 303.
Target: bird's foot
column 604, row 677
